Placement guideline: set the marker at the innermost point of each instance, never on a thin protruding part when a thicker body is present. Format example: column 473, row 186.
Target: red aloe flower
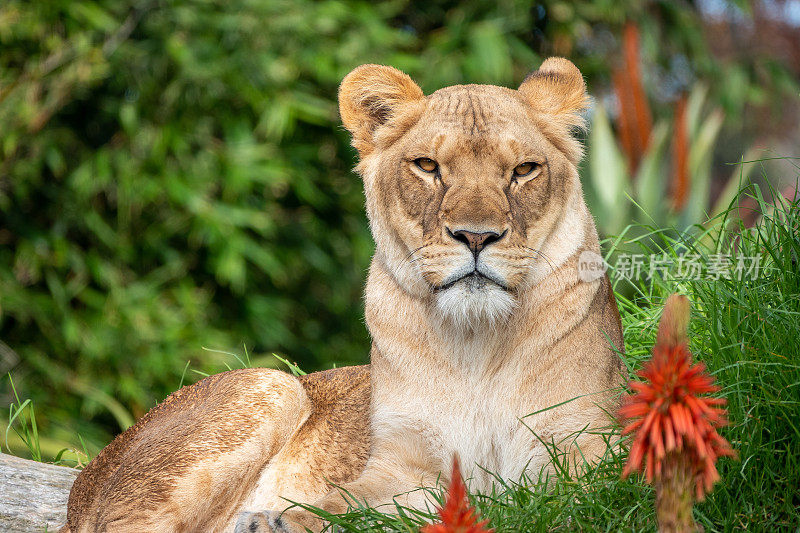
column 457, row 515
column 675, row 439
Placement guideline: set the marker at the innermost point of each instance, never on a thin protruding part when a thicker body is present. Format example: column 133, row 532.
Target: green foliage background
column 173, row 175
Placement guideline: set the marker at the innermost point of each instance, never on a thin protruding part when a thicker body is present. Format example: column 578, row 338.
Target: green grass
column 747, row 332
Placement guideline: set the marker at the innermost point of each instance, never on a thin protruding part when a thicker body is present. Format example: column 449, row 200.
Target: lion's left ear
column 557, row 88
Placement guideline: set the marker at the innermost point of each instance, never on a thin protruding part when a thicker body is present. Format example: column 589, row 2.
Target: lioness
column 477, row 315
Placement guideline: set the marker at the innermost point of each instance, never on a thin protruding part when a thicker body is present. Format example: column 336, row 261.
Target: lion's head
column 472, row 192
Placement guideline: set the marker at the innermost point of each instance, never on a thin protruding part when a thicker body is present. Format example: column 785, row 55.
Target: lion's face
column 464, row 187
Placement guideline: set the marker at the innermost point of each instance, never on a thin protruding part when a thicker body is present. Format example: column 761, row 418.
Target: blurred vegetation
column 173, row 176
column 610, row 182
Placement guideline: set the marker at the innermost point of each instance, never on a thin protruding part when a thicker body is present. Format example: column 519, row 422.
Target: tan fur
column 465, row 345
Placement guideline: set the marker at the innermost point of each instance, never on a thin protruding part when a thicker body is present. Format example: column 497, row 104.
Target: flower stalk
column 673, row 420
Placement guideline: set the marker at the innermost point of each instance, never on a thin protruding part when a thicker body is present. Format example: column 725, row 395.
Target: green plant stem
column 674, row 499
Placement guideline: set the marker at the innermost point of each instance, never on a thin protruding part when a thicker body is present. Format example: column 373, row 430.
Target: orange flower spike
column 635, row 120
column 673, row 425
column 680, row 157
column 457, row 515
column 632, row 53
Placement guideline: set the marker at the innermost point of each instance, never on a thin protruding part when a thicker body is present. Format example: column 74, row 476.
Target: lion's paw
column 265, row 522
column 258, row 522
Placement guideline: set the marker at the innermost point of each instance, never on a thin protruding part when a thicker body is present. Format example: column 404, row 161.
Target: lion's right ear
column 369, row 97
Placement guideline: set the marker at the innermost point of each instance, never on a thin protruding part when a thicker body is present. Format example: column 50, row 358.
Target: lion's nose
column 475, row 241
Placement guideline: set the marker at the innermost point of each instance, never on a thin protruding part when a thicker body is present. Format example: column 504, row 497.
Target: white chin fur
column 472, row 303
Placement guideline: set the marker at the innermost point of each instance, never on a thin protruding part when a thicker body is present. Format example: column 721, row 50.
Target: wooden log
column 33, row 496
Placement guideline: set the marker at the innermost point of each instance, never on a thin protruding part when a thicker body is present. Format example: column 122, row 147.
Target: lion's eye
column 426, row 164
column 524, row 169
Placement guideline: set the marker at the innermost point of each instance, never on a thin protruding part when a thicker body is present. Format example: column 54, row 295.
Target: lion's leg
column 383, row 485
column 191, row 462
column 386, row 481
column 376, row 487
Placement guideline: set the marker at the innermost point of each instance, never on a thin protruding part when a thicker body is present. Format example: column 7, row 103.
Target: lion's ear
column 557, row 88
column 370, row 96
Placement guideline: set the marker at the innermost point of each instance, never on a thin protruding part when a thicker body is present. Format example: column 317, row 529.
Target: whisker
column 412, row 252
column 440, row 257
column 542, row 255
